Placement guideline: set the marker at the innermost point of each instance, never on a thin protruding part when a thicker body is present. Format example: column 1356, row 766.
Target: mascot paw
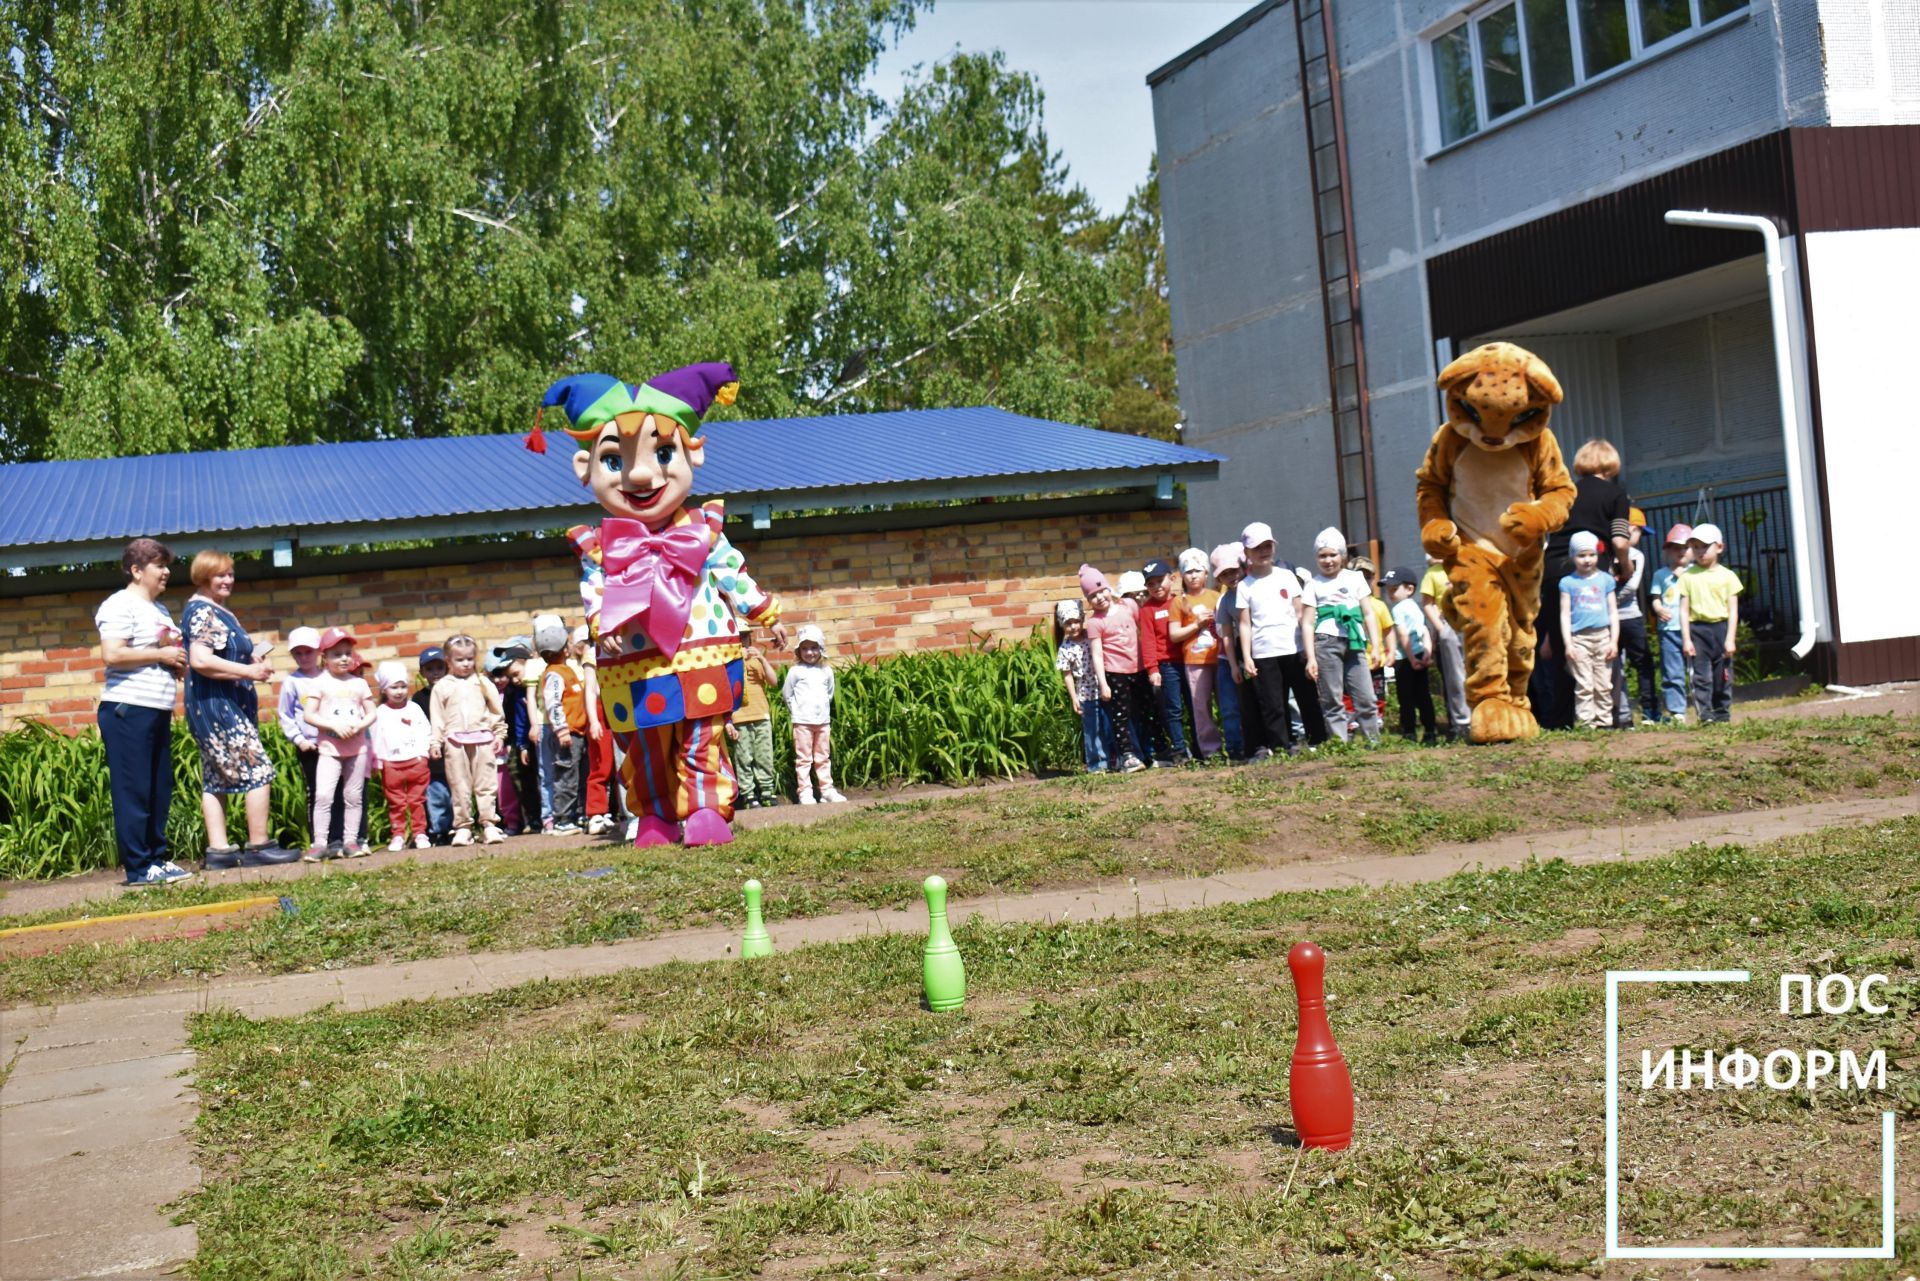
column 1524, row 523
column 1440, row 538
column 1498, row 721
column 654, row 831
column 706, row 827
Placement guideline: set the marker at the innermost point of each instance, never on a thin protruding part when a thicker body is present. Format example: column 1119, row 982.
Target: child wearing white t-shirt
column 1343, row 632
column 1269, row 600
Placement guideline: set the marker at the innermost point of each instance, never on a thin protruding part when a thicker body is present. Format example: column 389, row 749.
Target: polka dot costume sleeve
column 727, row 573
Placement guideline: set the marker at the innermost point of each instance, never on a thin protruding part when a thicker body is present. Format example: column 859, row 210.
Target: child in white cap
column 1191, row 633
column 1709, row 618
column 809, row 693
column 1589, row 631
column 1343, row 633
column 399, row 737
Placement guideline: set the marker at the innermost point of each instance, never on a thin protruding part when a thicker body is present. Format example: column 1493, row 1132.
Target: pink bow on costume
column 651, row 577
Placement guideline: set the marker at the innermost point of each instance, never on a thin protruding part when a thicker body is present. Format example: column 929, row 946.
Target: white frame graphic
column 1617, row 1251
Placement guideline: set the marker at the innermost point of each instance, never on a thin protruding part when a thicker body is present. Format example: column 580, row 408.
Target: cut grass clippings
column 1069, row 831
column 1112, row 1101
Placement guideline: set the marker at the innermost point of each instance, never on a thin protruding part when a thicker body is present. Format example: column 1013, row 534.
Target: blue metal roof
column 842, row 459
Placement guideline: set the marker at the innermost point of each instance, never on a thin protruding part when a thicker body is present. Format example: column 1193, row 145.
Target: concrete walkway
column 96, row 1114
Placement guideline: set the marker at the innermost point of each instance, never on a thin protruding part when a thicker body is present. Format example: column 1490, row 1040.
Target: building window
column 1501, row 58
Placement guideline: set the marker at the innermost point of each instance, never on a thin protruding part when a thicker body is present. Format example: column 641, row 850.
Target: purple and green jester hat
column 589, row 401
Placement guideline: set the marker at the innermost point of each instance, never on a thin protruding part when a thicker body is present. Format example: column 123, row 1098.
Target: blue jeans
column 1673, row 674
column 439, row 807
column 1226, row 697
column 139, row 746
column 1172, row 704
column 548, row 764
column 1093, row 735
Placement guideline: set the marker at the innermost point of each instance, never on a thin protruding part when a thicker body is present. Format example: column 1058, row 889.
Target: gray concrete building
column 1353, row 195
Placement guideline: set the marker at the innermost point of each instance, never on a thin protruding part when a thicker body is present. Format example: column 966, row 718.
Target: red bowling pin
column 1318, row 1086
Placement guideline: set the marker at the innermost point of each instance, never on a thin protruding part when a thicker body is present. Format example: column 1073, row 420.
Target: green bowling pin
column 755, row 942
column 941, row 971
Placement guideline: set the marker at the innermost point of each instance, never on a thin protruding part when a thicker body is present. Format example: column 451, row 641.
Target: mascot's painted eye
column 664, row 455
column 1525, row 416
column 1472, row 415
column 610, row 463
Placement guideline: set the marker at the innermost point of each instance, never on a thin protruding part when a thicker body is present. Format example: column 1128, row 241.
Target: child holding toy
column 339, row 707
column 399, row 737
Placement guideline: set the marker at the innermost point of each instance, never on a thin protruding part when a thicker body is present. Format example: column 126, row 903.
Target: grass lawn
column 1112, row 1100
column 1064, row 832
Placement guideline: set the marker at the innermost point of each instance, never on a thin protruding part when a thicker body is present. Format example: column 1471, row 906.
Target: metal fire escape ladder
column 1339, row 273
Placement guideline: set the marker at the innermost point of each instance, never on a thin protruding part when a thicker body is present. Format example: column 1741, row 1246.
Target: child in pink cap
column 1113, row 623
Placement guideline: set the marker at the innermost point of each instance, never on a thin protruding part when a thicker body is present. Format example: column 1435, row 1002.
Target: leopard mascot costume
column 1492, row 488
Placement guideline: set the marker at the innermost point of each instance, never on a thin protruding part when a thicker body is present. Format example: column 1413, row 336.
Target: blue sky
column 1090, row 56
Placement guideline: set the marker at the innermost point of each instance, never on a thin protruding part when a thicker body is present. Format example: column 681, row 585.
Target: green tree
column 277, row 221
column 1136, row 357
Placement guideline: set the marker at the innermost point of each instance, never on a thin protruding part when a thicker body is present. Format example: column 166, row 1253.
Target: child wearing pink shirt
column 1113, row 623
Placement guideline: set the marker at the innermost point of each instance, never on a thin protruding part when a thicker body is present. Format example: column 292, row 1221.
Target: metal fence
column 1758, row 527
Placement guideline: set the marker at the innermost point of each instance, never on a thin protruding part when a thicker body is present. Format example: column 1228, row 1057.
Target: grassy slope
column 1068, row 831
column 1111, row 1102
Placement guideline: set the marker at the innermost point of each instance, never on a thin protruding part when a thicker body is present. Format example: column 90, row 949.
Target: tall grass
column 56, row 806
column 942, row 716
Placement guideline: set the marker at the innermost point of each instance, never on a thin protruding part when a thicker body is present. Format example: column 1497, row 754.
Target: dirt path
column 99, row 1088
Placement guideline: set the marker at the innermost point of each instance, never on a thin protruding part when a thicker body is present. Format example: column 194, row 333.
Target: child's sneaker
column 566, row 829
column 397, row 844
column 1131, row 764
column 313, row 854
column 1264, row 754
column 421, row 842
column 806, row 798
column 546, row 826
column 832, row 797
column 462, row 837
column 598, row 824
column 165, row 873
column 633, row 829
column 353, row 849
column 493, row 835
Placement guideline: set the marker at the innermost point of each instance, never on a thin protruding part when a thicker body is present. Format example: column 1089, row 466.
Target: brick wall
column 873, row 592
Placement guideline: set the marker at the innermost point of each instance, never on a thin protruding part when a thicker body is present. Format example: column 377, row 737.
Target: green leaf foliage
column 266, row 222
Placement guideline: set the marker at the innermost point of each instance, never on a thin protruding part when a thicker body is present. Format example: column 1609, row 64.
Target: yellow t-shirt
column 1383, row 620
column 1709, row 592
column 1435, row 585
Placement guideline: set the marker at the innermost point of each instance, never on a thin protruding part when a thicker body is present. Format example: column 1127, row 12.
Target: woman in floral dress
column 223, row 711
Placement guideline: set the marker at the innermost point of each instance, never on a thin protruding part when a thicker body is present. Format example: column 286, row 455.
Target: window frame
column 1470, row 19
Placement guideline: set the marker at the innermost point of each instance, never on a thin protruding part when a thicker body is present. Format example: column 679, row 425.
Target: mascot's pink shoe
column 654, row 831
column 706, row 827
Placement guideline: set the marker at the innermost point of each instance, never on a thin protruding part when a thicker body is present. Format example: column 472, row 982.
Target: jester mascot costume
column 673, row 594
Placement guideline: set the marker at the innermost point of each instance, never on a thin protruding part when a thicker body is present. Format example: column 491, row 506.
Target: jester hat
column 590, row 401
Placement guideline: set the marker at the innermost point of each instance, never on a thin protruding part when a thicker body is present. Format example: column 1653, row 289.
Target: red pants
column 599, row 773
column 673, row 770
column 405, row 783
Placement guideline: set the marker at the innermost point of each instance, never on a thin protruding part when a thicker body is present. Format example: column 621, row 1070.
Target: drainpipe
column 1789, row 400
